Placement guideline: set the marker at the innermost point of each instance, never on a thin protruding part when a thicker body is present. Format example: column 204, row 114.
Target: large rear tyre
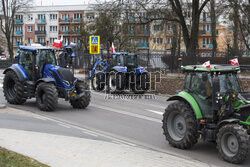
column 13, row 88
column 46, row 96
column 179, row 126
column 84, row 101
column 233, row 143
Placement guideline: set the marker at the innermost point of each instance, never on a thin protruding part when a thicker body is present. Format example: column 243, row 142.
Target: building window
column 19, row 17
column 206, row 27
column 157, row 41
column 77, row 15
column 19, row 28
column 30, row 17
column 53, row 16
column 64, row 16
column 158, row 27
column 169, row 40
column 64, row 28
column 29, row 40
column 66, row 41
column 41, row 28
column 41, row 40
column 169, row 27
column 51, row 40
column 53, row 28
column 77, row 28
column 29, row 29
column 206, row 42
column 41, row 16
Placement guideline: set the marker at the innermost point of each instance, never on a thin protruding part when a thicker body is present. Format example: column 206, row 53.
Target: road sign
column 94, row 44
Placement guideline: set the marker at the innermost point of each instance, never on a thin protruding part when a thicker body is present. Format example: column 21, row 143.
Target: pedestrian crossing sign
column 94, row 44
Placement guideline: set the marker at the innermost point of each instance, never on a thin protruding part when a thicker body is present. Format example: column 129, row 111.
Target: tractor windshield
column 131, row 60
column 229, row 81
column 46, row 57
column 120, row 60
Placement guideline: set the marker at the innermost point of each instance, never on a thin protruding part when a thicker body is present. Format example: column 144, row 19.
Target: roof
column 213, row 68
column 33, row 48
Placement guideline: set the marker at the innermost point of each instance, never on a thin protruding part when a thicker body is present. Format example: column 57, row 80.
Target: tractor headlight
column 66, row 83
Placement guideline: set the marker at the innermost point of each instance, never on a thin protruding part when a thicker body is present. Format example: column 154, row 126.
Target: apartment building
column 44, row 24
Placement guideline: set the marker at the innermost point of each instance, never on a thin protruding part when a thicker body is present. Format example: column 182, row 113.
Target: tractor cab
column 34, row 59
column 66, row 58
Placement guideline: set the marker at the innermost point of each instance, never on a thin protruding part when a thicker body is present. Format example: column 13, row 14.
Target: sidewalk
column 60, row 151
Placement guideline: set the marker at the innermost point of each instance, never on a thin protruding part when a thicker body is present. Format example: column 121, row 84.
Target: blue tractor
column 120, row 72
column 36, row 74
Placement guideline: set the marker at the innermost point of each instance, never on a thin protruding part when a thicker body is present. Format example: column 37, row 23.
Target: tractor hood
column 62, row 76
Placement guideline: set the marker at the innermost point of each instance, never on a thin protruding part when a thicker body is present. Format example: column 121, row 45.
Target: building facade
column 44, row 24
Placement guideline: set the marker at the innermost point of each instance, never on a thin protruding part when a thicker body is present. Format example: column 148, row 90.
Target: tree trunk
column 235, row 29
column 213, row 27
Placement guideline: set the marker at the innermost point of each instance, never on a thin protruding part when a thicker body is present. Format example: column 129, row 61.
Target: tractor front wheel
column 233, row 143
column 84, row 101
column 46, row 96
column 179, row 125
column 13, row 88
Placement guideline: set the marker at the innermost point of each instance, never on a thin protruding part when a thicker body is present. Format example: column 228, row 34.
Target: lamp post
column 228, row 49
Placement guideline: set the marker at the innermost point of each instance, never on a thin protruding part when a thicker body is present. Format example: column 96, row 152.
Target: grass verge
column 12, row 159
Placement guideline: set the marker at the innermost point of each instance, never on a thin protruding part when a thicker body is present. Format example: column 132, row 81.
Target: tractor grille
column 66, row 75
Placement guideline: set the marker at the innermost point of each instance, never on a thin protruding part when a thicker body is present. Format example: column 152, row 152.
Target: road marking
column 127, row 113
column 89, row 133
column 161, row 107
column 156, row 112
column 1, row 85
column 39, row 117
column 63, row 125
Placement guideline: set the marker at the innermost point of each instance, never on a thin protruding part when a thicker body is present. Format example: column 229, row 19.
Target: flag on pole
column 113, row 48
column 234, row 62
column 5, row 53
column 58, row 43
column 207, row 64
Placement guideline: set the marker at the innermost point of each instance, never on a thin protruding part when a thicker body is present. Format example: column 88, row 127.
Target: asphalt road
column 134, row 122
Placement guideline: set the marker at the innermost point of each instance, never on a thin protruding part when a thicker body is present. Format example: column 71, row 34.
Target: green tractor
column 212, row 106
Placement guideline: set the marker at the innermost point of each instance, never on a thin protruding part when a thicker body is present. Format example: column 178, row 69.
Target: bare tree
column 213, row 26
column 7, row 22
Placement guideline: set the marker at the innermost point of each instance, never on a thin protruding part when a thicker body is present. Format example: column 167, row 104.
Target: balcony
column 19, row 33
column 132, row 32
column 19, row 21
column 77, row 20
column 202, row 32
column 131, row 19
column 142, row 45
column 65, row 21
column 40, row 21
column 40, row 32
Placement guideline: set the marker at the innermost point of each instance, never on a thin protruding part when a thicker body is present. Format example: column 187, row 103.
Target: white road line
column 161, row 107
column 39, row 117
column 89, row 133
column 1, row 85
column 127, row 113
column 63, row 125
column 156, row 112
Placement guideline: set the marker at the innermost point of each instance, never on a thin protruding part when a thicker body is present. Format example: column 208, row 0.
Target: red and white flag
column 207, row 64
column 234, row 62
column 58, row 43
column 113, row 48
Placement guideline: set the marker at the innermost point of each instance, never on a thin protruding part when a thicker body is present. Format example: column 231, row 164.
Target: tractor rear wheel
column 179, row 125
column 13, row 88
column 84, row 101
column 233, row 143
column 46, row 96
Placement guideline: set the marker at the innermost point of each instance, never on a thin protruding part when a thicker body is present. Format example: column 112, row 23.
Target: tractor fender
column 118, row 69
column 186, row 97
column 47, row 80
column 19, row 70
column 226, row 121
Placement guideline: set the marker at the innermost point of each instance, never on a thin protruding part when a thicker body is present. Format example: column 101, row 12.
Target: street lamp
column 228, row 49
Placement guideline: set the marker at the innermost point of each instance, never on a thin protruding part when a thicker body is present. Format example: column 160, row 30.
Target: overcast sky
column 62, row 2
